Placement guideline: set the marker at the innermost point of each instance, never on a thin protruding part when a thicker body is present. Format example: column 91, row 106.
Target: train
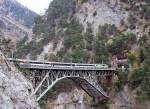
column 57, row 64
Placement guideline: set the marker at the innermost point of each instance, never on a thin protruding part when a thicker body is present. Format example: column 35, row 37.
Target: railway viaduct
column 44, row 76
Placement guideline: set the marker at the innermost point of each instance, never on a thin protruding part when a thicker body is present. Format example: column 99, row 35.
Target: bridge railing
column 43, row 66
column 56, row 65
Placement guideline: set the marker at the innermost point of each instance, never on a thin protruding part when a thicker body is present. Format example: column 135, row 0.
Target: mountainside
column 90, row 25
column 16, row 21
column 15, row 89
column 115, row 32
column 17, row 11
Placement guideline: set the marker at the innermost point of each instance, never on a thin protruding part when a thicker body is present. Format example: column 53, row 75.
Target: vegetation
column 64, row 86
column 32, row 48
column 132, row 21
column 95, row 13
column 19, row 12
column 6, row 45
column 41, row 26
column 82, row 1
column 89, row 37
column 101, row 52
column 121, row 43
column 73, row 35
column 79, row 46
column 106, row 31
column 59, row 8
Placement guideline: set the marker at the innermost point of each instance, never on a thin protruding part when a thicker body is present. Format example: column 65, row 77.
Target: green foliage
column 132, row 58
column 141, row 77
column 42, row 104
column 132, row 21
column 89, row 37
column 24, row 49
column 106, row 31
column 122, row 79
column 121, row 43
column 103, row 104
column 60, row 87
column 21, row 42
column 73, row 34
column 101, row 52
column 77, row 55
column 52, row 57
column 58, row 8
column 67, row 57
column 144, row 43
column 61, row 53
column 83, row 1
column 63, row 21
column 5, row 45
column 40, row 25
column 95, row 13
column 139, row 8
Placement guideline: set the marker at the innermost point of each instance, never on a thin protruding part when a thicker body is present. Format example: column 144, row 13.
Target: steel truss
column 44, row 80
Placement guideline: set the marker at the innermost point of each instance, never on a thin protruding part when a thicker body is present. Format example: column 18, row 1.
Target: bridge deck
column 31, row 64
column 44, row 75
column 43, row 66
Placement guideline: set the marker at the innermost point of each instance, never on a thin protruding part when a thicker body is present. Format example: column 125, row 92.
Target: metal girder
column 44, row 77
column 44, row 80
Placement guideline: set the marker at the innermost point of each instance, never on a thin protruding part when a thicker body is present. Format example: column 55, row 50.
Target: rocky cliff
column 115, row 32
column 17, row 11
column 86, row 24
column 16, row 21
column 15, row 89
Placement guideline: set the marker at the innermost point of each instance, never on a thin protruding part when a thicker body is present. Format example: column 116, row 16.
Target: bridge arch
column 87, row 83
column 44, row 76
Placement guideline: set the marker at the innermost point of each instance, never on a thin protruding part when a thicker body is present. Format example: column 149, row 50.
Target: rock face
column 125, row 99
column 15, row 90
column 75, row 99
column 16, row 20
column 17, row 12
column 100, row 12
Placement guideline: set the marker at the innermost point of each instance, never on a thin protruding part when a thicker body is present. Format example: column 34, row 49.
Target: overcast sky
column 38, row 6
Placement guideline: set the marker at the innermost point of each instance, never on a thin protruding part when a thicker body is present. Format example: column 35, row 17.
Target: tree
column 101, row 52
column 121, row 42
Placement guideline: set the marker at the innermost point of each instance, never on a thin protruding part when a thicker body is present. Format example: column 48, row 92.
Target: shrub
column 106, row 30
column 95, row 13
column 121, row 43
column 73, row 34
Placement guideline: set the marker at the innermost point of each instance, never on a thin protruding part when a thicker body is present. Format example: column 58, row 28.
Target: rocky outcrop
column 126, row 99
column 17, row 11
column 75, row 99
column 16, row 20
column 100, row 12
column 15, row 90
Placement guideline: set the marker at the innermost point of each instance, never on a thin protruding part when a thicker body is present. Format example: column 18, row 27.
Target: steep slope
column 115, row 32
column 16, row 21
column 18, row 12
column 86, row 24
column 15, row 90
column 96, row 12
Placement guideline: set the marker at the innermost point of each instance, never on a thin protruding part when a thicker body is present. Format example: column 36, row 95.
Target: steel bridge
column 44, row 75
